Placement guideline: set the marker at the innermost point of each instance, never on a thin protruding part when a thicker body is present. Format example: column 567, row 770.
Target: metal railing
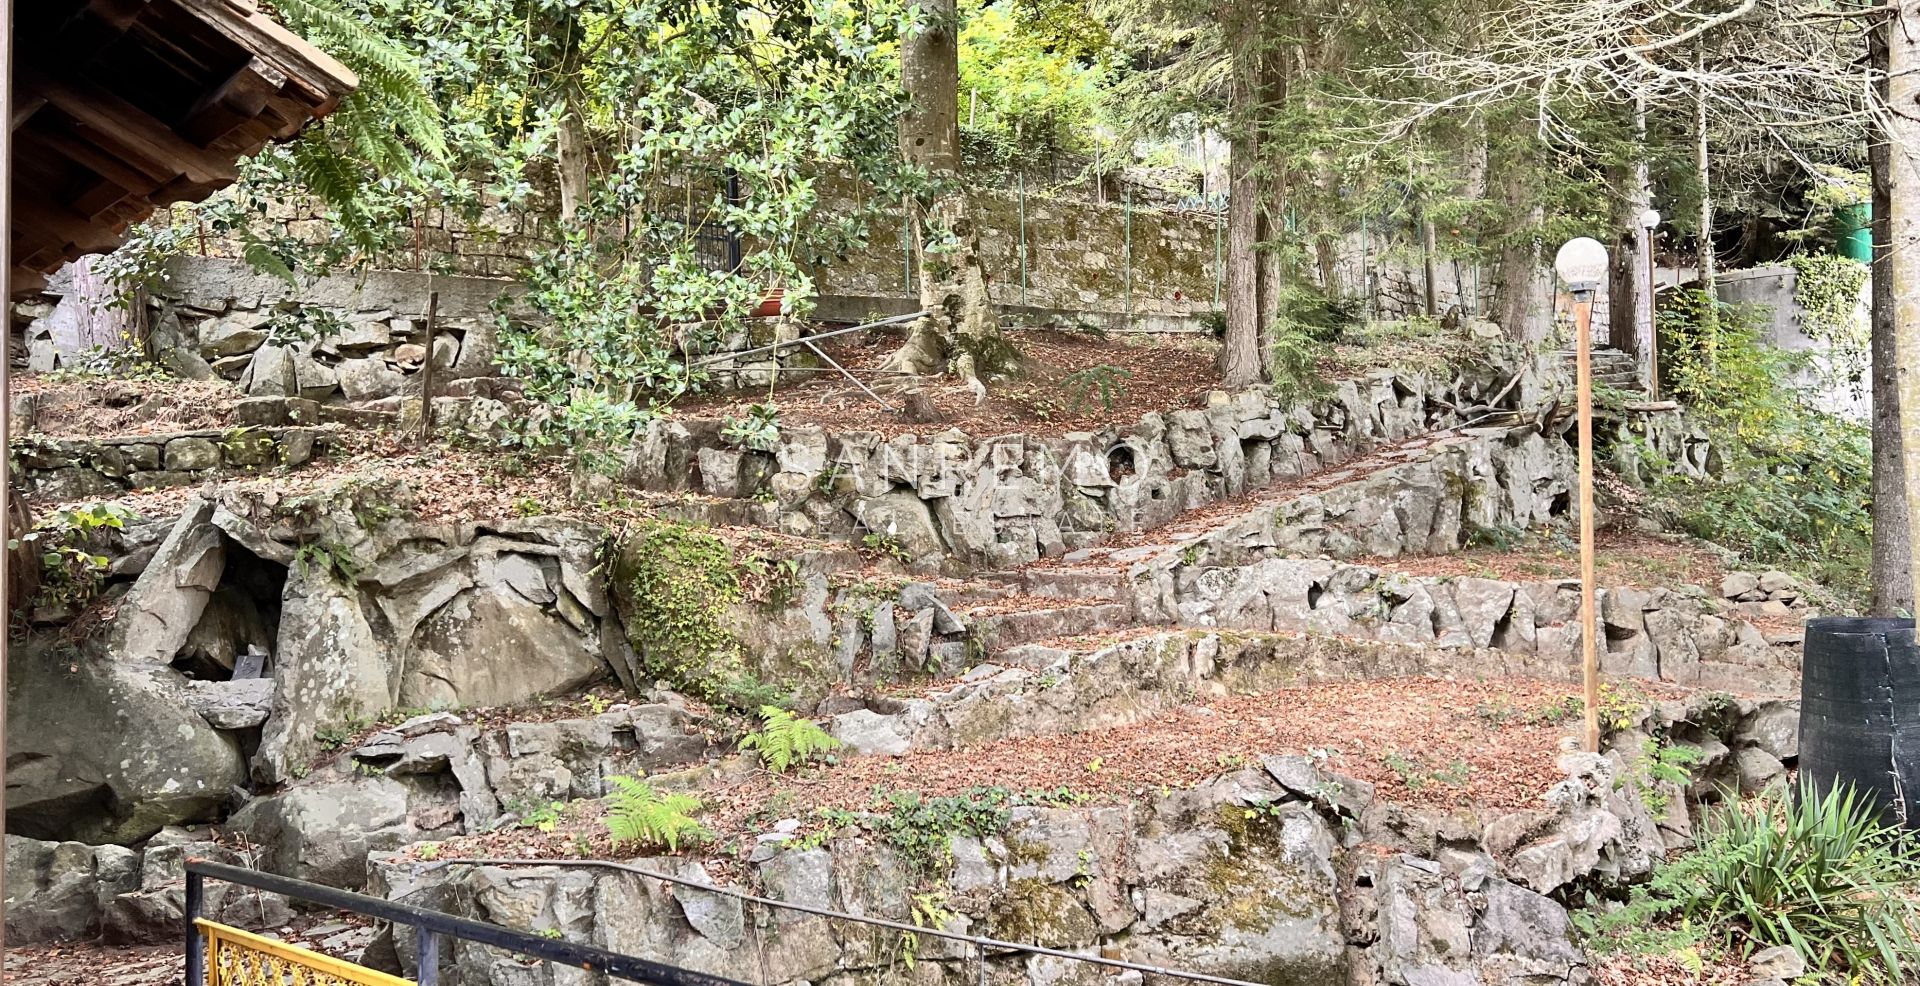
column 430, row 926
column 241, row 958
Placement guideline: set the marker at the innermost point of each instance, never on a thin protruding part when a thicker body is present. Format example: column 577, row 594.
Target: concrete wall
column 1839, row 378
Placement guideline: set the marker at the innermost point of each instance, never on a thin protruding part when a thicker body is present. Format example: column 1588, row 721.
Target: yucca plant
column 1820, row 873
column 637, row 813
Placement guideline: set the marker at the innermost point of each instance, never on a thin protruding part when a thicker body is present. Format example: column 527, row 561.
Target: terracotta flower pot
column 773, row 303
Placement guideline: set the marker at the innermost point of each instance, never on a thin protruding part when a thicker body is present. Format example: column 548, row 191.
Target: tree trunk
column 1519, row 266
column 1629, row 304
column 572, row 162
column 1703, row 164
column 1240, row 361
column 1240, row 364
column 1902, row 266
column 575, row 153
column 930, row 71
column 1892, row 576
column 953, row 286
column 1273, row 204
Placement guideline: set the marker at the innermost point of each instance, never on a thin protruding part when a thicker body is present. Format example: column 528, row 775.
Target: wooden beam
column 319, row 75
column 59, row 224
column 235, row 102
column 46, row 143
column 116, row 124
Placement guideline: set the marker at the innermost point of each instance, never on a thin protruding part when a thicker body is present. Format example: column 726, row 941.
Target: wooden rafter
column 122, row 107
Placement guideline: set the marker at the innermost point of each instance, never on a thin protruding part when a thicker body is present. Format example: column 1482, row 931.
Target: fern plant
column 389, row 127
column 636, row 813
column 786, row 739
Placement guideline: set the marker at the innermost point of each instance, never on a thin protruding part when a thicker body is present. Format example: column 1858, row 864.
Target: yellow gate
column 239, row 958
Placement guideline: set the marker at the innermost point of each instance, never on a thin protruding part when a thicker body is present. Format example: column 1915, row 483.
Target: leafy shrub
column 1794, row 489
column 639, row 814
column 1293, row 361
column 759, row 430
column 1321, row 317
column 786, row 739
column 71, row 569
column 1820, row 873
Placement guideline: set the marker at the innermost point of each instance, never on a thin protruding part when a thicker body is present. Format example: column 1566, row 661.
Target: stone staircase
column 1613, row 369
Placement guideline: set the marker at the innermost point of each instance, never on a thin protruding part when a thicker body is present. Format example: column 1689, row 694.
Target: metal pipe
column 977, row 940
column 578, row 956
column 724, row 357
column 196, row 945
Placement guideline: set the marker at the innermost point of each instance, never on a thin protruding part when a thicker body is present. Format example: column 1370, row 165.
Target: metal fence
column 221, row 956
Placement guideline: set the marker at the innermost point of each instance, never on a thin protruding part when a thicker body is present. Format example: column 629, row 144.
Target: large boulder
column 56, row 890
column 321, row 830
column 104, row 750
column 504, row 639
column 330, row 666
column 160, row 611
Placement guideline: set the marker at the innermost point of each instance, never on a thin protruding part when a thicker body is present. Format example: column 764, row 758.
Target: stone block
column 192, row 455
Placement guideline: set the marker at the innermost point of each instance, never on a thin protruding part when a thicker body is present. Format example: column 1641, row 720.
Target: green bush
column 1820, row 873
column 1320, row 316
column 1795, row 485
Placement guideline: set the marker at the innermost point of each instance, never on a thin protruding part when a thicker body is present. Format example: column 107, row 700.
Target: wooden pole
column 426, row 372
column 1589, row 624
column 1653, row 325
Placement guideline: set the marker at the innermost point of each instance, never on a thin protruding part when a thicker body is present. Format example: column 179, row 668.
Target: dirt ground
column 1054, row 389
column 1422, row 742
column 90, row 406
column 1621, row 557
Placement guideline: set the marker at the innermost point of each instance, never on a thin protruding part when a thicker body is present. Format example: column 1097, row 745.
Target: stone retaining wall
column 61, row 469
column 1656, row 634
column 1007, row 500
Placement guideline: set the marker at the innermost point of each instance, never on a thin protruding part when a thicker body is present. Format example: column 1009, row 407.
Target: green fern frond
column 636, row 813
column 392, row 101
column 786, row 739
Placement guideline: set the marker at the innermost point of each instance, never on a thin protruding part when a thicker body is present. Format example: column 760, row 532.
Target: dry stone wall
column 61, row 469
column 1657, row 634
column 1002, row 501
column 1080, row 268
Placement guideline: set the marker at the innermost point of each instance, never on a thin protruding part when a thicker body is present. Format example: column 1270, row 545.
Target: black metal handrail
column 431, row 926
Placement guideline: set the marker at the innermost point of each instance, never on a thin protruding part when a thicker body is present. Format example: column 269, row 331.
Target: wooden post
column 426, row 372
column 1589, row 623
column 1652, row 356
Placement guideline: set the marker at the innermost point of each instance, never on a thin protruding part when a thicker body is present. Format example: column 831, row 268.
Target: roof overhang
column 121, row 107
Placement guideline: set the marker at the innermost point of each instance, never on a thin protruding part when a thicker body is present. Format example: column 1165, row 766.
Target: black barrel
column 1860, row 711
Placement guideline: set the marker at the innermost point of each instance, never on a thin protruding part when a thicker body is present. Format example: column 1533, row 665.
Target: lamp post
column 1649, row 340
column 1582, row 264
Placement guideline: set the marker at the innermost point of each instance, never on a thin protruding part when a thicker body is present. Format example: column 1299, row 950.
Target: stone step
column 1078, row 584
column 989, row 634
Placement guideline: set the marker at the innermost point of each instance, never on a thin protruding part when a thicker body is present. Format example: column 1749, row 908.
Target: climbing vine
column 1827, row 289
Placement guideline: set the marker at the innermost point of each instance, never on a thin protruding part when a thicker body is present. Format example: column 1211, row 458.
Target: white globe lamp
column 1582, row 264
